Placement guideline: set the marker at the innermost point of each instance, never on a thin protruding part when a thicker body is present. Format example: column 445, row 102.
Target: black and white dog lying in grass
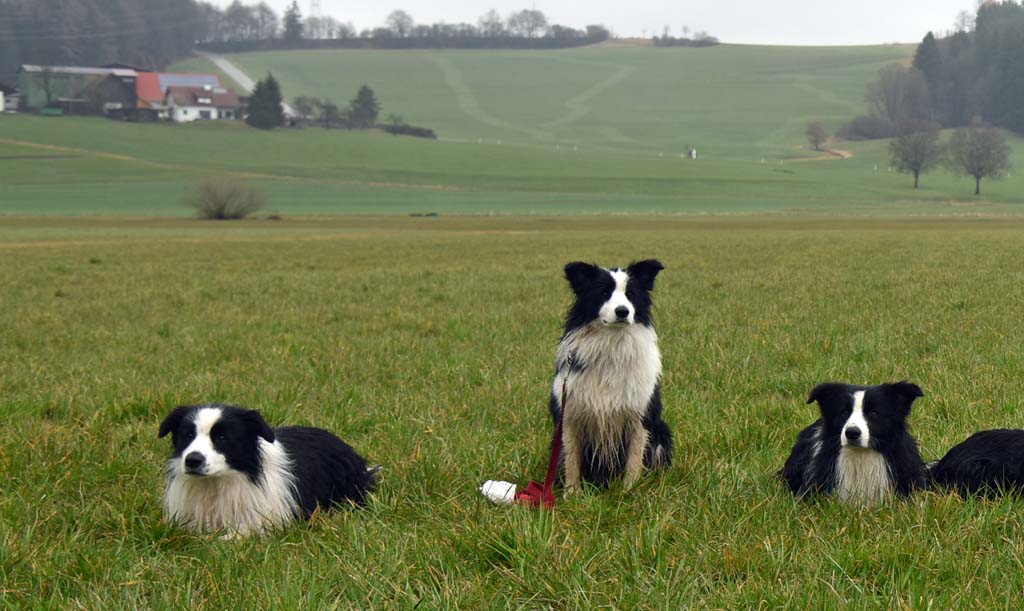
column 231, row 472
column 860, row 449
column 610, row 366
column 988, row 463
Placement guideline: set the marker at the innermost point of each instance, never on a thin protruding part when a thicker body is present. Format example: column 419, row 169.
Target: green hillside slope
column 737, row 102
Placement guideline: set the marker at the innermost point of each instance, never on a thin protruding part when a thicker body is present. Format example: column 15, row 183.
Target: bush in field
column 224, row 199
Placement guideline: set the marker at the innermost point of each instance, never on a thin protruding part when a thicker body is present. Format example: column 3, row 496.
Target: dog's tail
column 659, row 445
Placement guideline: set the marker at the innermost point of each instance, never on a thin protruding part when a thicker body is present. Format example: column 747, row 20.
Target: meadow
column 92, row 166
column 428, row 344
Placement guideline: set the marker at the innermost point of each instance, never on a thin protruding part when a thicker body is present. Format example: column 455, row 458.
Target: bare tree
column 266, row 21
column 917, row 149
column 964, row 22
column 900, row 94
column 816, row 135
column 979, row 151
column 400, row 23
column 527, row 23
column 491, row 24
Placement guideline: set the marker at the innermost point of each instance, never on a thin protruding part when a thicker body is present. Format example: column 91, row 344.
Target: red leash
column 537, row 495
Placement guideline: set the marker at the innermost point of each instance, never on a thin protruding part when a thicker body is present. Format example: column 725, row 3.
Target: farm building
column 201, row 103
column 152, row 87
column 76, row 89
column 9, row 98
column 121, row 91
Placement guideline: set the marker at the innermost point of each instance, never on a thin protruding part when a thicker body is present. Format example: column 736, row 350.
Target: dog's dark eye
column 630, row 294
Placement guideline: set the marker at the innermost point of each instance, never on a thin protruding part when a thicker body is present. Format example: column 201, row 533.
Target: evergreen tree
column 928, row 60
column 265, row 105
column 364, row 108
column 293, row 23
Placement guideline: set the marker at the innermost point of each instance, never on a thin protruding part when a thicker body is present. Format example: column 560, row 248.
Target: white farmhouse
column 201, row 103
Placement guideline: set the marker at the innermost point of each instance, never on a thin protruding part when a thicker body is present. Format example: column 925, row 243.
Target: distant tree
column 293, row 23
column 686, row 31
column 979, row 151
column 364, row 108
column 900, row 94
column 265, row 105
column 816, row 134
column 491, row 24
column 266, row 22
column 527, row 23
column 928, row 59
column 598, row 32
column 240, row 22
column 400, row 23
column 917, row 149
column 964, row 22
column 306, row 106
column 330, row 115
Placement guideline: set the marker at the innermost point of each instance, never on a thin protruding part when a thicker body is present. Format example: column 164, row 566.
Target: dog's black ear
column 645, row 272
column 255, row 420
column 579, row 274
column 904, row 393
column 173, row 419
column 824, row 393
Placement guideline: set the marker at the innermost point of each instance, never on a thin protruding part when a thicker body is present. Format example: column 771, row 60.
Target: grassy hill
column 735, row 102
column 583, row 130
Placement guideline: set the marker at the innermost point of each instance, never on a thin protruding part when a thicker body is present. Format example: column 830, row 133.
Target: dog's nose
column 622, row 312
column 853, row 433
column 194, row 460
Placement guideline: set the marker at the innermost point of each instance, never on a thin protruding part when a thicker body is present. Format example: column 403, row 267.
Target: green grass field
column 95, row 166
column 428, row 344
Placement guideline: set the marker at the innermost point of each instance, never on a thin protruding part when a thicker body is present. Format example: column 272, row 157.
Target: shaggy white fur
column 230, row 501
column 862, row 476
column 609, row 395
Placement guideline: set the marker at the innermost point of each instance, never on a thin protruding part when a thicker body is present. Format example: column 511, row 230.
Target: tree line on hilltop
column 155, row 33
column 235, row 31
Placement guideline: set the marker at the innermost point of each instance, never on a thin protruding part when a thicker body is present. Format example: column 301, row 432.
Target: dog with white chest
column 860, row 449
column 609, row 366
column 231, row 472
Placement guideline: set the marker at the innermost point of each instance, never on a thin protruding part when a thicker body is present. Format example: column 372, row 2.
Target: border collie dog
column 230, row 471
column 988, row 463
column 860, row 449
column 610, row 367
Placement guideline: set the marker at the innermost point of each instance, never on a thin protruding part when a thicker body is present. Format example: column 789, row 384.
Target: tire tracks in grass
column 469, row 104
column 578, row 104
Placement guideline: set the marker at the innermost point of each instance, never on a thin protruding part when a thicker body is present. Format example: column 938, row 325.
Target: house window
column 204, row 100
column 204, row 114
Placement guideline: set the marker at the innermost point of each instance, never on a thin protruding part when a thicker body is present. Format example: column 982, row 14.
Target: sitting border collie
column 860, row 449
column 988, row 463
column 610, row 368
column 231, row 472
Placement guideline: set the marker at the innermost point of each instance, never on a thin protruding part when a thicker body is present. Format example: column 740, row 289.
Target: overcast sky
column 790, row 22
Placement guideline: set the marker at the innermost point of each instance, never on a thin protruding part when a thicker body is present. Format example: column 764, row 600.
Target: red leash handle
column 536, row 495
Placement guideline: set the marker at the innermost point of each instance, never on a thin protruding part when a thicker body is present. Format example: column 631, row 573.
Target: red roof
column 201, row 96
column 151, row 87
column 147, row 88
